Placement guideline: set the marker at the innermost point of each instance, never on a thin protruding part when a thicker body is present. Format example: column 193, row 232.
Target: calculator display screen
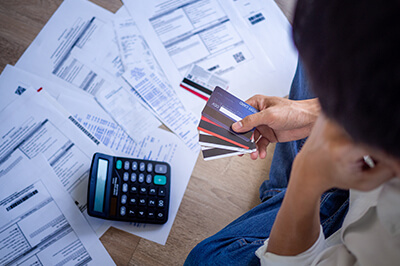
column 100, row 185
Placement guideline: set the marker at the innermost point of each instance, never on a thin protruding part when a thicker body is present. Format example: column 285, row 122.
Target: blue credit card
column 225, row 109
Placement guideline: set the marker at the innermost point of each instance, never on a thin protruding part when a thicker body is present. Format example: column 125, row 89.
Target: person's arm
column 279, row 120
column 297, row 225
column 328, row 159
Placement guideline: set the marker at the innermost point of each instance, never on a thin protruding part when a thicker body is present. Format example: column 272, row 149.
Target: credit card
column 224, row 134
column 223, row 121
column 208, row 140
column 202, row 82
column 224, row 109
column 215, row 153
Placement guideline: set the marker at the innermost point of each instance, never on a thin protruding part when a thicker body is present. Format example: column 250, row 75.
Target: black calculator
column 126, row 189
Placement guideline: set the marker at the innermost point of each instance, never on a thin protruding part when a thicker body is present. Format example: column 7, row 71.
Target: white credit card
column 208, row 140
column 210, row 153
column 202, row 82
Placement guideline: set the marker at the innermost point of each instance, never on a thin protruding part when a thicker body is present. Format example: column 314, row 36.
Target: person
column 349, row 52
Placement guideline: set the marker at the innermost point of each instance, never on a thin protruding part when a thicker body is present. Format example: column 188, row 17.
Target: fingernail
column 237, row 125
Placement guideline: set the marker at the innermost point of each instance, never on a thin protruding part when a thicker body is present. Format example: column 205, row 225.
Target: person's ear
column 396, row 166
column 381, row 156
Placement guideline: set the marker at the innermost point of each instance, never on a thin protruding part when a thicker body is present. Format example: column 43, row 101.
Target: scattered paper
column 51, row 54
column 40, row 224
column 212, row 35
column 82, row 53
column 125, row 108
column 158, row 145
column 163, row 101
column 41, row 127
column 133, row 48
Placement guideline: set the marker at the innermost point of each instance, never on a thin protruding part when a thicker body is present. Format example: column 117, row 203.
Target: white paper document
column 132, row 46
column 265, row 20
column 213, row 35
column 162, row 99
column 40, row 224
column 102, row 50
column 32, row 125
column 155, row 146
column 70, row 29
column 125, row 108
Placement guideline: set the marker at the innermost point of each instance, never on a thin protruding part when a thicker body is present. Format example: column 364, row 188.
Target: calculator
column 127, row 189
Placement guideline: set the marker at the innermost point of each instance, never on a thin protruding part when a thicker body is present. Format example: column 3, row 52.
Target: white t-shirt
column 370, row 234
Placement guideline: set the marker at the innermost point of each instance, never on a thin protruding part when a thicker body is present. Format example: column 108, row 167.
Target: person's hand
column 279, row 120
column 330, row 159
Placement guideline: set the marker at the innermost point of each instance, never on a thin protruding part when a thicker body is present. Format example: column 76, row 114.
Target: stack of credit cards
column 216, row 137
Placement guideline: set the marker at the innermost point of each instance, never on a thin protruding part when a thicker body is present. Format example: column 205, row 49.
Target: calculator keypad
column 144, row 190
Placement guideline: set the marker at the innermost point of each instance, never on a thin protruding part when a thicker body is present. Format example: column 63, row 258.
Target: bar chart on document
column 210, row 34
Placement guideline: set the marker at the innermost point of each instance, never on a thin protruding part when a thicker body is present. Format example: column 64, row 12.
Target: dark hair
column 350, row 51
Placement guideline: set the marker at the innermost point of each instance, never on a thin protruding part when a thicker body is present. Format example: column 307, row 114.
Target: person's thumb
column 247, row 123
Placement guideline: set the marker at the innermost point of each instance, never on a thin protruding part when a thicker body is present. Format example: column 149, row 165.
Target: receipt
column 133, row 48
column 125, row 108
column 160, row 97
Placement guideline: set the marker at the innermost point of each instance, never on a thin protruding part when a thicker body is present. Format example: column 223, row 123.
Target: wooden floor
column 218, row 192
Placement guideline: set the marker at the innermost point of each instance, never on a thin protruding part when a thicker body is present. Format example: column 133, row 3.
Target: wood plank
column 120, row 245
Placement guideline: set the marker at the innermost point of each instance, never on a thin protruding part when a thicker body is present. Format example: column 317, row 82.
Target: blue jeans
column 237, row 242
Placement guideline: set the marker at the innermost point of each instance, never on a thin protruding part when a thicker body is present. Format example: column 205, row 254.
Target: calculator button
column 141, row 178
column 126, row 176
column 160, row 180
column 131, row 212
column 123, row 199
column 122, row 211
column 160, row 169
column 160, row 203
column 151, row 215
column 133, row 177
column 161, row 192
column 132, row 201
column 149, row 167
column 160, row 215
column 119, row 164
column 149, row 178
column 124, row 187
column 152, row 191
column 126, row 165
column 141, row 214
column 152, row 202
column 141, row 167
column 134, row 166
column 134, row 190
column 143, row 190
column 142, row 202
